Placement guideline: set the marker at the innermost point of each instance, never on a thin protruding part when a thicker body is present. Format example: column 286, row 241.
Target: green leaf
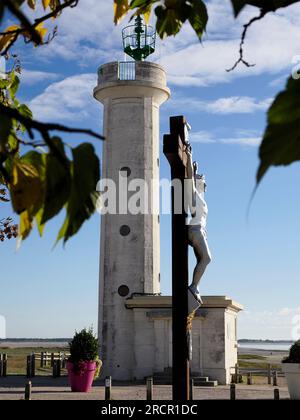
column 167, row 22
column 14, row 85
column 12, row 141
column 6, row 125
column 4, row 83
column 39, row 224
column 265, row 5
column 198, row 17
column 281, row 141
column 25, row 225
column 83, row 197
column 26, row 187
column 25, row 111
column 143, row 7
column 173, row 13
column 1, row 10
column 58, row 182
column 37, row 161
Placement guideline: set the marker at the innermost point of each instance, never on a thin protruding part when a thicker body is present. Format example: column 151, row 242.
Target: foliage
column 44, row 180
column 264, row 5
column 35, row 31
column 84, row 346
column 294, row 355
column 281, row 141
column 8, row 229
column 170, row 15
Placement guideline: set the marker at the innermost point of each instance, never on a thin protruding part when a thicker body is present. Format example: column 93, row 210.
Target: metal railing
column 126, row 70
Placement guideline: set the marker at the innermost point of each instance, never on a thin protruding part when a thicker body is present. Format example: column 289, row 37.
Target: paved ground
column 44, row 388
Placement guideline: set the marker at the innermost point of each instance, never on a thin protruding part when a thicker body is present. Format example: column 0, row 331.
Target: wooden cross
column 174, row 149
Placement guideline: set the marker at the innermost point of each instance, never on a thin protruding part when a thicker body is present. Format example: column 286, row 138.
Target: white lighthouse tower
column 131, row 93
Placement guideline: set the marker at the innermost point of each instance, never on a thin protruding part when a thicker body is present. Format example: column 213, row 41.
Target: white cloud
column 279, row 82
column 88, row 36
column 244, row 138
column 31, row 77
column 237, row 104
column 274, row 324
column 268, row 46
column 226, row 105
column 289, row 311
column 85, row 33
column 202, row 137
column 69, row 99
column 243, row 141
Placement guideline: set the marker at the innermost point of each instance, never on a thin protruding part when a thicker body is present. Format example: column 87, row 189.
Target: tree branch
column 23, row 19
column 43, row 128
column 27, row 26
column 243, row 37
column 69, row 3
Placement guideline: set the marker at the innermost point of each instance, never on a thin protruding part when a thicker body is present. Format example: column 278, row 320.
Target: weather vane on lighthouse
column 139, row 40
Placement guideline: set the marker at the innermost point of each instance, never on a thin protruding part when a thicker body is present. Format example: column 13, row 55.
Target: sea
column 272, row 346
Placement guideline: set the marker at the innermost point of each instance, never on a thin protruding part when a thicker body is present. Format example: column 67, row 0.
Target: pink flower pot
column 81, row 379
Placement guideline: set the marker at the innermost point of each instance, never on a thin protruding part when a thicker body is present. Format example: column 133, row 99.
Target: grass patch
column 17, row 359
column 251, row 356
column 255, row 361
column 254, row 365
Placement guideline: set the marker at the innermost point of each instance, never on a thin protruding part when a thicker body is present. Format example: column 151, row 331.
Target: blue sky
column 50, row 293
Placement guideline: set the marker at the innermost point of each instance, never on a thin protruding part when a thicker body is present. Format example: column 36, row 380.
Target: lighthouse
column 131, row 93
column 135, row 320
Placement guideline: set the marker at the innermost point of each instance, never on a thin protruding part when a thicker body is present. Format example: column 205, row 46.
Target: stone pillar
column 130, row 255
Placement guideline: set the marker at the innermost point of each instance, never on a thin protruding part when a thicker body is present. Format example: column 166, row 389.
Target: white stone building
column 134, row 320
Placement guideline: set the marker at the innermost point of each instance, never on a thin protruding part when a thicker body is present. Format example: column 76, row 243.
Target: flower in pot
column 83, row 364
column 291, row 369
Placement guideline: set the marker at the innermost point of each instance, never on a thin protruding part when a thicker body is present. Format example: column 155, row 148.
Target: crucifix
column 174, row 148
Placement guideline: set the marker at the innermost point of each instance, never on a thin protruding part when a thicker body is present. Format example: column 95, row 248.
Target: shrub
column 294, row 356
column 84, row 346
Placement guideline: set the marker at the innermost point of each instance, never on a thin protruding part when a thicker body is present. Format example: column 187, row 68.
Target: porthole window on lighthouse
column 125, row 171
column 124, row 230
column 123, row 290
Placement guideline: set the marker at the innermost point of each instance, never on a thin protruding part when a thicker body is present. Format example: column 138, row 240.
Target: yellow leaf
column 38, row 219
column 8, row 37
column 25, row 187
column 25, row 225
column 46, row 4
column 31, row 4
column 54, row 4
column 41, row 30
column 121, row 7
column 147, row 16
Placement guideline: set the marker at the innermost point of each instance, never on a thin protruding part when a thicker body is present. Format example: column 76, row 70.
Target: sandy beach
column 272, row 356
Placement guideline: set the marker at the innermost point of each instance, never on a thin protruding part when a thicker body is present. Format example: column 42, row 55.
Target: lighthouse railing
column 126, row 70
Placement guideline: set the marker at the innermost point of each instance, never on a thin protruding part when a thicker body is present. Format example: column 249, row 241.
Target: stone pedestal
column 214, row 336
